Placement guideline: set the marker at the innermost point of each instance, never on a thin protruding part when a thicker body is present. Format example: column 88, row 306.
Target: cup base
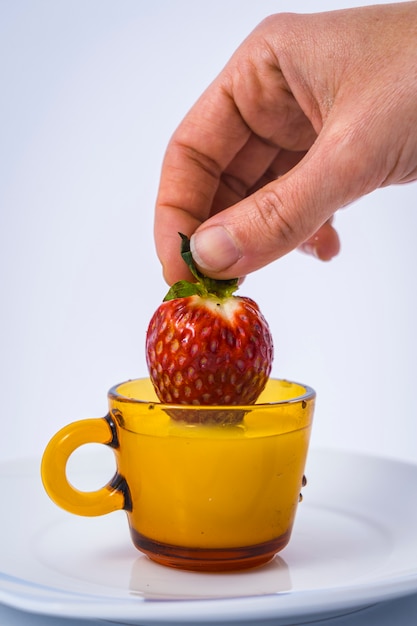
column 210, row 559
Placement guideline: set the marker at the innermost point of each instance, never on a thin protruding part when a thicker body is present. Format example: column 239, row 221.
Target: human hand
column 310, row 113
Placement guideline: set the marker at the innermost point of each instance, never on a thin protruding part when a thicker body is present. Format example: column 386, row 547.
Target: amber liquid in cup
column 209, row 497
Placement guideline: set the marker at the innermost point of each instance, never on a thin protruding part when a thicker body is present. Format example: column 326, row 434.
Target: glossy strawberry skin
column 209, row 351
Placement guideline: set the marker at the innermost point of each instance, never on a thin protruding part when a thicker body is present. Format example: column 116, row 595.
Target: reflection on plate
column 354, row 543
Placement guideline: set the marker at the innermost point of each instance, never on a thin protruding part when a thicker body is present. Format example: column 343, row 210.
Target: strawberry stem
column 204, row 285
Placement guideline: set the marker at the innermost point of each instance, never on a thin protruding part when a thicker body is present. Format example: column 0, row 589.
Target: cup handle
column 111, row 497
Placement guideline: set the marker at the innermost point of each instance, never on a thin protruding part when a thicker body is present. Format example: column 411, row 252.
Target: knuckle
column 272, row 216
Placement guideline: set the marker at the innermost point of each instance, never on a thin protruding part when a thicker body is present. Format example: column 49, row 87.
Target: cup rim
column 309, row 394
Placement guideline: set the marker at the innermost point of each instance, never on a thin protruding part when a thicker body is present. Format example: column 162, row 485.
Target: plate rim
column 297, row 603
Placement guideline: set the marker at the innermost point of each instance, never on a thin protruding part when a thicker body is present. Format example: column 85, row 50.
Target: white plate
column 354, row 543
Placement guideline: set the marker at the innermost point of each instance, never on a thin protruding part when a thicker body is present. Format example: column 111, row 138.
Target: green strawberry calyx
column 204, row 285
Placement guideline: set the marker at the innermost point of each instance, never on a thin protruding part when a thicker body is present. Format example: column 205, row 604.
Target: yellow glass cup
column 200, row 496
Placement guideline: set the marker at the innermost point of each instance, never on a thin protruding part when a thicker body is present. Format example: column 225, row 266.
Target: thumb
column 292, row 211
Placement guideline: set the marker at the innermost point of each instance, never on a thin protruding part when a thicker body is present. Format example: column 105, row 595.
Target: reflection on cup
column 207, row 497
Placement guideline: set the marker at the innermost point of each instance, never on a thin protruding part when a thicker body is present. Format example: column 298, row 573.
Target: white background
column 90, row 92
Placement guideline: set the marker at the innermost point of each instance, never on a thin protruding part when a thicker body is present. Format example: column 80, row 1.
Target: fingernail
column 309, row 248
column 214, row 249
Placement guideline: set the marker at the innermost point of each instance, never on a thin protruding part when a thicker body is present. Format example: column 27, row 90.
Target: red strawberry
column 205, row 346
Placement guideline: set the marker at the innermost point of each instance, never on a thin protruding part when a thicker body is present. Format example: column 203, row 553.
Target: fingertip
column 174, row 274
column 166, row 276
column 324, row 244
column 174, row 269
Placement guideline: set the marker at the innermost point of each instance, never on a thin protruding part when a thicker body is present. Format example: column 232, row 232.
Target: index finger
column 202, row 146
